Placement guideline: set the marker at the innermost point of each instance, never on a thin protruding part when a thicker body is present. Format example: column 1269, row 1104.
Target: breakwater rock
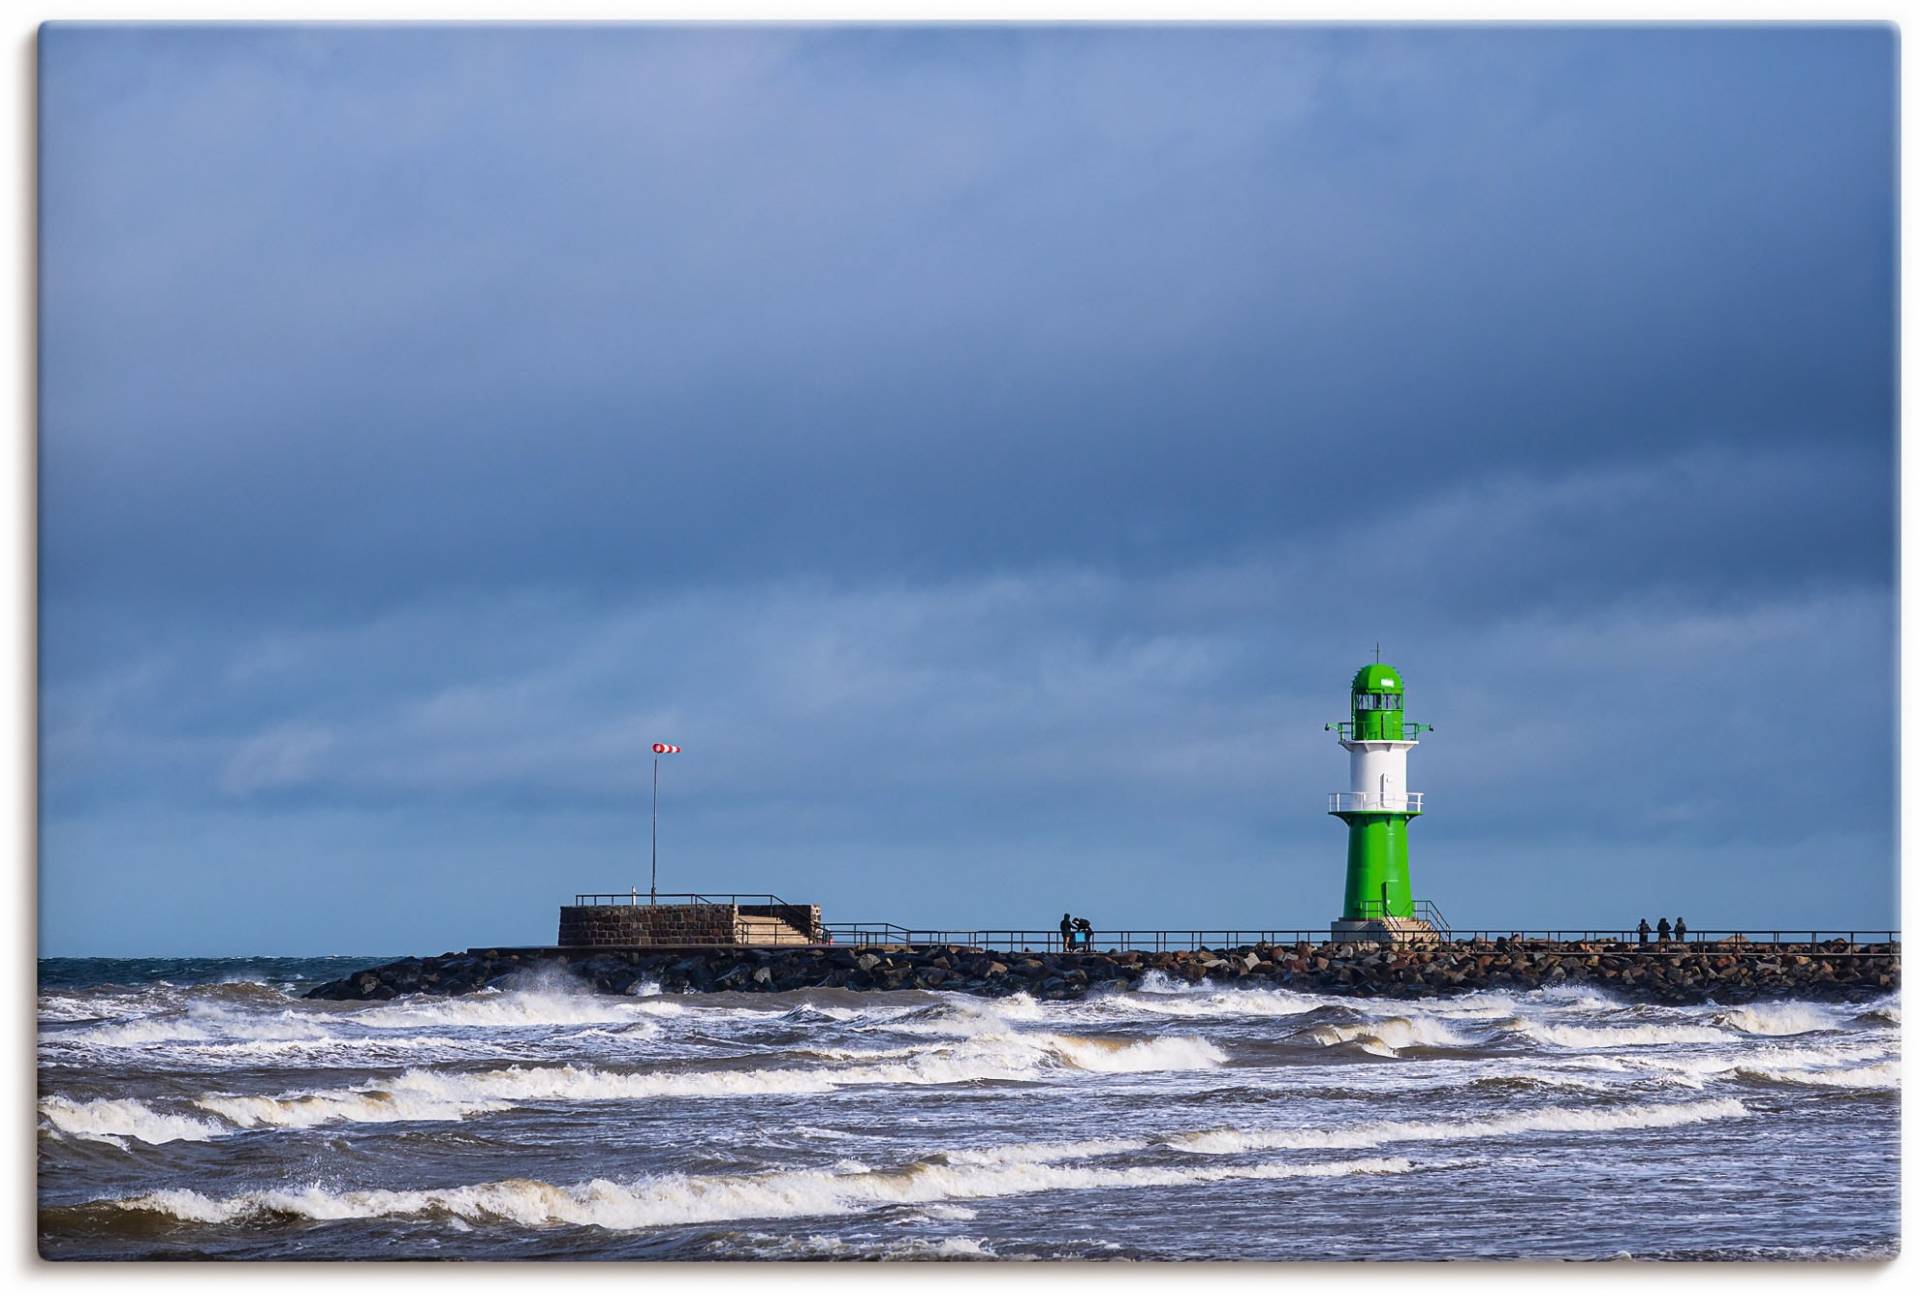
column 1727, row 972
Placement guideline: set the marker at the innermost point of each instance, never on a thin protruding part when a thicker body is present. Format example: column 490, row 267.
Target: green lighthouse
column 1378, row 808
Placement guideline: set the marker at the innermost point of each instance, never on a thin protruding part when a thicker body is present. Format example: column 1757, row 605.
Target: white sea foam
column 688, row 1200
column 1372, row 1135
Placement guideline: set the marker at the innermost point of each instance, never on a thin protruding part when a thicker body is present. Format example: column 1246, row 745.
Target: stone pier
column 1727, row 972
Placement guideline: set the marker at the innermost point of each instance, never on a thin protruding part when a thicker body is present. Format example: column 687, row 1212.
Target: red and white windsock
column 666, row 747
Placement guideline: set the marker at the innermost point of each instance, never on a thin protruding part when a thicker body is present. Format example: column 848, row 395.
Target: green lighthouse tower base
column 1378, row 884
column 1379, row 903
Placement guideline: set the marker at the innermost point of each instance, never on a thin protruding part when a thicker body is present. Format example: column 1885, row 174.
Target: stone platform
column 640, row 923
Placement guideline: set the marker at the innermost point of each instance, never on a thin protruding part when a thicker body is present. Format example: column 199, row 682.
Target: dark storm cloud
column 1036, row 420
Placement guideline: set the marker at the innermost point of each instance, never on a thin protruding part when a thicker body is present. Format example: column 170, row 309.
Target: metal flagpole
column 653, row 882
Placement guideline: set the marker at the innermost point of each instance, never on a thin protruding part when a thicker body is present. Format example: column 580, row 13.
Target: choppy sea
column 201, row 1109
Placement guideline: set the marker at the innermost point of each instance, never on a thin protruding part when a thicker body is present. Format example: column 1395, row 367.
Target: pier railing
column 1161, row 940
column 1694, row 937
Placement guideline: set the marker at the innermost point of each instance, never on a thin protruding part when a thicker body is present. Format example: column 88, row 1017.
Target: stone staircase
column 1391, row 931
column 765, row 930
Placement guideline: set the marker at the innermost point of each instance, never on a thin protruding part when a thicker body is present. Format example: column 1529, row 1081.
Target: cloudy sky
column 987, row 452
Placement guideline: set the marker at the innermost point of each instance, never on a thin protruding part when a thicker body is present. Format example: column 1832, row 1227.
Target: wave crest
column 1640, row 1117
column 690, row 1200
column 113, row 1121
column 1388, row 1036
column 433, row 1094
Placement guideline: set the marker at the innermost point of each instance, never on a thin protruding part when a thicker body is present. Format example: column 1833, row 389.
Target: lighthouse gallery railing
column 1408, row 802
column 1410, row 732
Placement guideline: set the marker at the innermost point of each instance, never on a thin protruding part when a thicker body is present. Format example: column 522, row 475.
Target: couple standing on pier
column 1075, row 933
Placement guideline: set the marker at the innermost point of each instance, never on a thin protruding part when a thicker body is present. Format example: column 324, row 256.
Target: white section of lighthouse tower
column 1379, row 775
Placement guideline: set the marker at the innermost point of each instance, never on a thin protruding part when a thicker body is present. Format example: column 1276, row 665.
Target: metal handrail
column 1161, row 940
column 1425, row 911
column 636, row 897
column 1350, row 802
column 1694, row 937
column 1410, row 732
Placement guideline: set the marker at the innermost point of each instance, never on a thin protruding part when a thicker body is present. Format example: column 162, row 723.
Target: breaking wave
column 1247, row 1003
column 533, row 1007
column 1879, row 1076
column 1643, row 1117
column 1786, row 1018
column 427, row 1094
column 689, row 1200
column 1573, row 1037
column 1388, row 1036
column 113, row 1121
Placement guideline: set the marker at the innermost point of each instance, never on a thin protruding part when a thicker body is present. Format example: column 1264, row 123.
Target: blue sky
column 987, row 452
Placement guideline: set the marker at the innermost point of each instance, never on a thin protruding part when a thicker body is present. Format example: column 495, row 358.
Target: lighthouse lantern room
column 1378, row 808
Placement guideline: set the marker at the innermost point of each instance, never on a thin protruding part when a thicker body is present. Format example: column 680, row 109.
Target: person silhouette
column 1679, row 929
column 1066, row 932
column 1666, row 930
column 1644, row 930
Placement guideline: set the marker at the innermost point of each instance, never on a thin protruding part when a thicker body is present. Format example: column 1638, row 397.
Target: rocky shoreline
column 1726, row 972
